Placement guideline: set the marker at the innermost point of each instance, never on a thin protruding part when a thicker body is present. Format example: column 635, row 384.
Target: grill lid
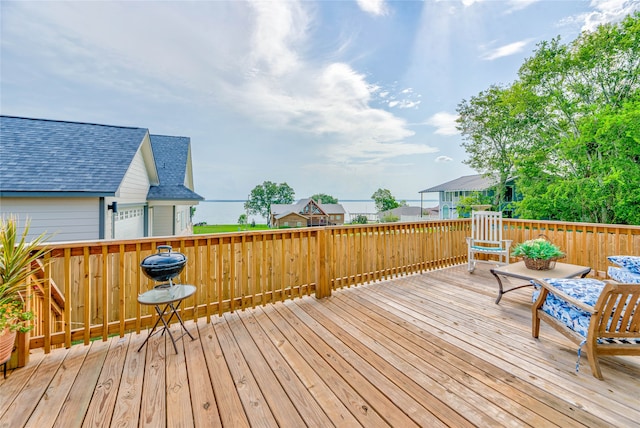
column 164, row 259
column 164, row 265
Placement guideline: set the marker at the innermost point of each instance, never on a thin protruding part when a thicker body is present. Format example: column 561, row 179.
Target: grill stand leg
column 161, row 318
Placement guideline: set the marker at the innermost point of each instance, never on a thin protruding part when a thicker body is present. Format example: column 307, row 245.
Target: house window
column 286, row 224
column 299, row 224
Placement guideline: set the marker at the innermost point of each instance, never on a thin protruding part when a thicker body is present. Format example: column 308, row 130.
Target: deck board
column 419, row 350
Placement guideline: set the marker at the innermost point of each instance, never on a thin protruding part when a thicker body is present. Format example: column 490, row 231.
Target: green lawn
column 221, row 228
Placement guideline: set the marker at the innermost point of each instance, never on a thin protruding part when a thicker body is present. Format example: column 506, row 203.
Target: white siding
column 135, row 184
column 67, row 219
column 183, row 220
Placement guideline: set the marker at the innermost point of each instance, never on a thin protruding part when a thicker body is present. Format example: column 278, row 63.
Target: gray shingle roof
column 38, row 155
column 475, row 182
column 171, row 155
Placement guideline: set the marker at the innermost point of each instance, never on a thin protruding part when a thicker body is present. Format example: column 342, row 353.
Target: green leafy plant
column 539, row 248
column 360, row 219
column 389, row 218
column 16, row 258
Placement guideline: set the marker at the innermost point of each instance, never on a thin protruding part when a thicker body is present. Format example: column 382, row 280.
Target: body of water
column 228, row 212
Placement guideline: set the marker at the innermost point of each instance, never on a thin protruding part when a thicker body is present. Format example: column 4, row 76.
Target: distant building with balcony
column 450, row 193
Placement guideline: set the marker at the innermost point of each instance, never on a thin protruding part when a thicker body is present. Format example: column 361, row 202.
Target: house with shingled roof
column 85, row 181
column 450, row 193
column 306, row 212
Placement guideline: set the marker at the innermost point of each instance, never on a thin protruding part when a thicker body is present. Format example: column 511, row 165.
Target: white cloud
column 444, row 122
column 330, row 100
column 374, row 7
column 404, row 104
column 607, row 11
column 506, row 50
column 253, row 59
column 374, row 152
column 467, row 3
column 279, row 28
column 519, row 4
column 443, row 159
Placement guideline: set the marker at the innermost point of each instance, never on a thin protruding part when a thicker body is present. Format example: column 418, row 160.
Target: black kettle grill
column 164, row 265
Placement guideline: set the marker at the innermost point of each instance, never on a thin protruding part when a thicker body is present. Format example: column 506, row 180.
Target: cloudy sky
column 336, row 97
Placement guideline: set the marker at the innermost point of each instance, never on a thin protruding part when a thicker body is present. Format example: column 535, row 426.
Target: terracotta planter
column 7, row 341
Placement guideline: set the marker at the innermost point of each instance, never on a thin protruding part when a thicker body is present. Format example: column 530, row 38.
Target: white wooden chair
column 486, row 238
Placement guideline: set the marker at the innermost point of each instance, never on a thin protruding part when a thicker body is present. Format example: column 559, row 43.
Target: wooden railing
column 586, row 244
column 89, row 290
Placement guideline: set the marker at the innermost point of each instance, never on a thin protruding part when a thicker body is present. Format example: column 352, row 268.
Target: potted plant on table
column 16, row 258
column 538, row 254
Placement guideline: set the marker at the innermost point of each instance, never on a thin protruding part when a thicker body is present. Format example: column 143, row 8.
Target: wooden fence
column 89, row 290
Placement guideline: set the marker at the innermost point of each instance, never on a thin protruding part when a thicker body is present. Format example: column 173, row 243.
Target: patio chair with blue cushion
column 486, row 238
column 602, row 316
column 628, row 270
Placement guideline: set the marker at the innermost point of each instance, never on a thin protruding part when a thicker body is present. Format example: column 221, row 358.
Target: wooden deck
column 422, row 350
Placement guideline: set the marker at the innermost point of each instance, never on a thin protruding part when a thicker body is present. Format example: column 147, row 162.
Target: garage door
column 129, row 223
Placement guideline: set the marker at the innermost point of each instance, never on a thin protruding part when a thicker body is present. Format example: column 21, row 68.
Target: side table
column 519, row 270
column 171, row 297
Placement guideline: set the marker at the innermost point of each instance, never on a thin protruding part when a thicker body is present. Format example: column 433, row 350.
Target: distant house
column 306, row 212
column 449, row 193
column 407, row 213
column 85, row 181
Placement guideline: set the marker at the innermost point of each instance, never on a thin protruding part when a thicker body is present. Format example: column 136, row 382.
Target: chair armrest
column 561, row 295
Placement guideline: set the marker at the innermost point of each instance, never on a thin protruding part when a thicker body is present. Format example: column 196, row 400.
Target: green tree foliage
column 324, row 198
column 389, row 218
column 567, row 128
column 464, row 205
column 360, row 219
column 491, row 124
column 263, row 195
column 384, row 200
column 242, row 220
column 586, row 165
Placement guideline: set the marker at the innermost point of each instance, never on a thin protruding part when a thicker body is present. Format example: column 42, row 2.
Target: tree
column 242, row 220
column 492, row 125
column 389, row 218
column 360, row 219
column 465, row 203
column 264, row 195
column 567, row 128
column 385, row 200
column 324, row 198
column 583, row 165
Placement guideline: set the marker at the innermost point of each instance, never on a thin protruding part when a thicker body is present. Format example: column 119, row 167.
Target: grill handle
column 164, row 247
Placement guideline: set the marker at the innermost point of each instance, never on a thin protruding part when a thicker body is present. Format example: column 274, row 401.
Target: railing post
column 22, row 348
column 323, row 286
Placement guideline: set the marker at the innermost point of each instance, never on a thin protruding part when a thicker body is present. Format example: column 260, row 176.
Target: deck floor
column 422, row 350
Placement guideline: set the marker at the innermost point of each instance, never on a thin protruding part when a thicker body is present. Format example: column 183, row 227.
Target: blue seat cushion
column 623, row 275
column 631, row 263
column 481, row 248
column 586, row 290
